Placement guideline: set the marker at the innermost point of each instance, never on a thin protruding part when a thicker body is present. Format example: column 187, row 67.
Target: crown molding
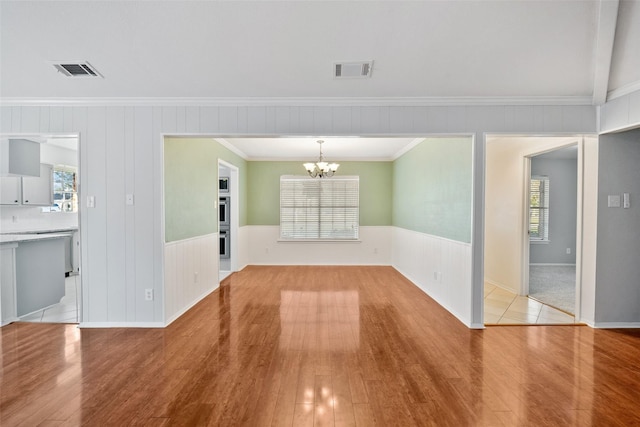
column 298, row 102
column 623, row 90
column 229, row 146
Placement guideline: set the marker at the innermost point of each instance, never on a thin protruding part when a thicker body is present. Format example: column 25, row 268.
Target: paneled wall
column 620, row 113
column 121, row 153
column 191, row 273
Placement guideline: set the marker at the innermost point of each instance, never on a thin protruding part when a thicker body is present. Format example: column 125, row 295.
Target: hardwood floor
column 344, row 346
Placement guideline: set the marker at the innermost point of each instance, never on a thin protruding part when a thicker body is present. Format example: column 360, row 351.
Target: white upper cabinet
column 38, row 191
column 19, row 157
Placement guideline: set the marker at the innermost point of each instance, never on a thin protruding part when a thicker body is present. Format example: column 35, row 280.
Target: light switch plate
column 91, row 201
column 130, row 199
column 626, row 201
column 613, row 201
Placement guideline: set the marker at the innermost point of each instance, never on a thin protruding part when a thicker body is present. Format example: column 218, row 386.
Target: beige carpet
column 554, row 285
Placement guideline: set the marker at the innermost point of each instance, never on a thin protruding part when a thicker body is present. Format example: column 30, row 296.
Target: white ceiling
column 269, row 52
column 285, row 49
column 333, row 149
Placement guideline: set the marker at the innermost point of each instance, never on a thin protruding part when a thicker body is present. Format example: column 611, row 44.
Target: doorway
column 54, row 218
column 228, row 218
column 507, row 245
column 550, row 267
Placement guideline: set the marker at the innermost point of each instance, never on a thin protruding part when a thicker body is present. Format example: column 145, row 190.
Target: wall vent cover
column 76, row 69
column 352, row 69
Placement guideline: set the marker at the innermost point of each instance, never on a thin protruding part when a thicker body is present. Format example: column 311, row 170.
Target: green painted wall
column 190, row 186
column 263, row 186
column 432, row 188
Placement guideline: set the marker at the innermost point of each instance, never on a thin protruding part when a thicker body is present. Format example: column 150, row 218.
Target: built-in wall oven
column 224, row 243
column 223, row 212
column 224, row 218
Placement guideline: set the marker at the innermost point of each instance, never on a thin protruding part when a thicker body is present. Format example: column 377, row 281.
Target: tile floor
column 66, row 311
column 502, row 307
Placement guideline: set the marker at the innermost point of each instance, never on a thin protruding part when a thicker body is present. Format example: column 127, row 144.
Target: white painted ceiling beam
column 605, row 36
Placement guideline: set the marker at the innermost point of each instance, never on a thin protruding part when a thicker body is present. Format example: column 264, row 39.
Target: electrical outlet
column 375, row 250
column 195, row 277
column 148, row 294
column 437, row 276
column 568, row 251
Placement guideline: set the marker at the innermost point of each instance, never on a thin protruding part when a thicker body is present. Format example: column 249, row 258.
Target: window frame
column 542, row 209
column 348, row 212
column 74, row 192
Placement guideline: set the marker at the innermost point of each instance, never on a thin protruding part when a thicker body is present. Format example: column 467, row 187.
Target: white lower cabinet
column 8, row 309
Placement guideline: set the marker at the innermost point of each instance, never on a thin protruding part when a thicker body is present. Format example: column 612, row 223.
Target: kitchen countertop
column 21, row 238
column 40, row 230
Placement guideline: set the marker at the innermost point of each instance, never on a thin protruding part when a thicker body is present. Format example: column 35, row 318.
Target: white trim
column 226, row 144
column 623, row 90
column 189, row 307
column 89, row 325
column 552, row 264
column 433, row 236
column 615, row 325
column 202, row 236
column 500, row 285
column 319, row 241
column 477, row 326
column 407, row 148
column 605, row 35
column 299, row 102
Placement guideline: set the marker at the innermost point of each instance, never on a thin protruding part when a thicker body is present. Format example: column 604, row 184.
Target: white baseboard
column 89, row 325
column 501, row 285
column 189, row 307
column 551, row 264
column 616, row 325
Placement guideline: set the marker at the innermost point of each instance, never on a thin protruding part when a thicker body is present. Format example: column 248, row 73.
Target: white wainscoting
column 243, row 247
column 190, row 273
column 420, row 257
column 374, row 248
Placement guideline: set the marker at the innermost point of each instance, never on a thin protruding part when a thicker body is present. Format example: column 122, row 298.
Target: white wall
column 120, row 146
column 374, row 248
column 620, row 113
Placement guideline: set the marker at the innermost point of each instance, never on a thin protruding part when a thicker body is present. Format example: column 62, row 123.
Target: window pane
column 319, row 208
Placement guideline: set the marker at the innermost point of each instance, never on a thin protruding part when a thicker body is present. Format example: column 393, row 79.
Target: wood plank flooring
column 318, row 346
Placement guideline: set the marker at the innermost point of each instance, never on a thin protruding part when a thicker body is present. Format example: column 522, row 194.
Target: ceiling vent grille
column 76, row 69
column 352, row 70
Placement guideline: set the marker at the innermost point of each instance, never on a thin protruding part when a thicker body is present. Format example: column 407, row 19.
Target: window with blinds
column 319, row 208
column 539, row 208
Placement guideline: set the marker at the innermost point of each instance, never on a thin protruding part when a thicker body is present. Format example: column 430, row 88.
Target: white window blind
column 539, row 208
column 319, row 208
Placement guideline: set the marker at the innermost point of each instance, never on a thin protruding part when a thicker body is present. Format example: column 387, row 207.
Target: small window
column 319, row 208
column 539, row 209
column 65, row 190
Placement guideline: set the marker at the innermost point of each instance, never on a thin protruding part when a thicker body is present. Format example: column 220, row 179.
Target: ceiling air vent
column 76, row 69
column 352, row 70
